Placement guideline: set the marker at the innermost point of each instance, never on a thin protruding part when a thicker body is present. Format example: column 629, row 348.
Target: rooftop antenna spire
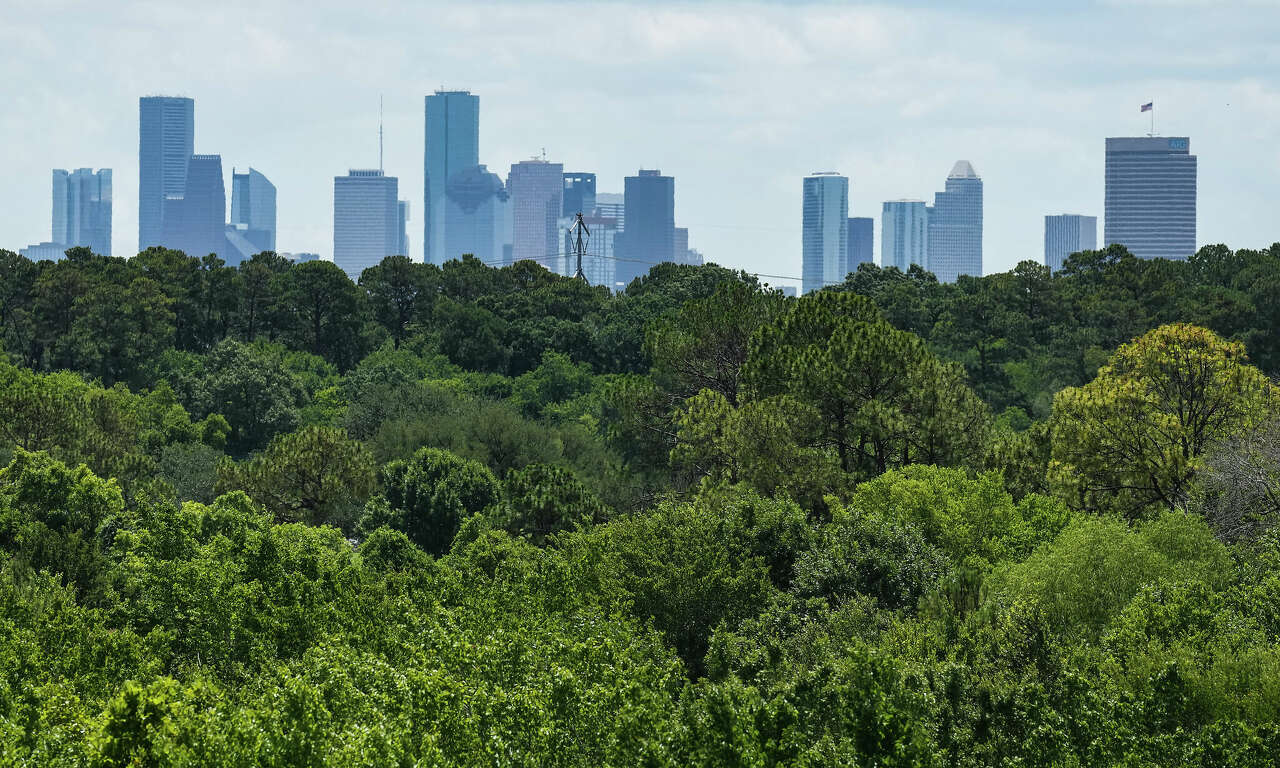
column 379, row 132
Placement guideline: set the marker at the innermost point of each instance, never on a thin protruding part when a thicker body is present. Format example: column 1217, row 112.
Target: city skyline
column 1007, row 88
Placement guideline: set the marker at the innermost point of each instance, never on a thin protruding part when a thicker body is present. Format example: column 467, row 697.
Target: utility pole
column 578, row 230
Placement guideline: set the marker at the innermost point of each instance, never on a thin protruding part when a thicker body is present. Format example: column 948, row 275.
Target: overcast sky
column 737, row 100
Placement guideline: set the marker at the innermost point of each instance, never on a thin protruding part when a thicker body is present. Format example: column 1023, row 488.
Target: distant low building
column 45, row 251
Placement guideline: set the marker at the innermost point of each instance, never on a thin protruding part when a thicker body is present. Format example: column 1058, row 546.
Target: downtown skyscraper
column 166, row 142
column 904, row 234
column 825, row 238
column 476, row 215
column 253, row 216
column 536, row 189
column 1066, row 234
column 366, row 220
column 452, row 146
column 82, row 209
column 1150, row 205
column 955, row 226
column 862, row 235
column 195, row 220
column 648, row 234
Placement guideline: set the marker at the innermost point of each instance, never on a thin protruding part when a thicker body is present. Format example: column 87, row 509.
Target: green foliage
column 541, row 500
column 429, row 495
column 734, row 529
column 317, row 475
column 882, row 399
column 1074, row 586
column 1133, row 438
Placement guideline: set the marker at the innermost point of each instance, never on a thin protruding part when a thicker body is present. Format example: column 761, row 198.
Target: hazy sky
column 737, row 100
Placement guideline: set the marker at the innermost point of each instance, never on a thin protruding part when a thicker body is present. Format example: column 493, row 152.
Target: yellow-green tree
column 1131, row 439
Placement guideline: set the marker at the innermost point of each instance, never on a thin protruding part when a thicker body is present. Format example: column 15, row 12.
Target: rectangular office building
column 166, row 142
column 1066, row 234
column 82, row 209
column 1151, row 196
column 366, row 220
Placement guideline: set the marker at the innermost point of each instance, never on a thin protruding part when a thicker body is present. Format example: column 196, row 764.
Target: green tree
column 316, row 475
column 1133, row 438
column 541, row 500
column 326, row 311
column 428, row 496
column 401, row 292
column 883, row 400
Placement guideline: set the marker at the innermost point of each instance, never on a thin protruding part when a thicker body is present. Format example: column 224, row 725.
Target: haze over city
column 737, row 101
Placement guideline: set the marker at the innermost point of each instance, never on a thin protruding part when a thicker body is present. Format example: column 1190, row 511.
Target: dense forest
column 469, row 516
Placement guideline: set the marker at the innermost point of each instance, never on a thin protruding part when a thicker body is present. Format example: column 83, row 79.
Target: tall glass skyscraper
column 648, row 236
column 825, row 236
column 253, row 214
column 1066, row 234
column 195, row 222
column 579, row 194
column 254, row 208
column 536, row 191
column 1151, row 196
column 862, row 235
column 904, row 234
column 475, row 215
column 166, row 142
column 82, row 209
column 366, row 220
column 955, row 226
column 452, row 146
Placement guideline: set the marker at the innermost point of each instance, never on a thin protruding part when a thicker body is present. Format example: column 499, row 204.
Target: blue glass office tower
column 476, row 215
column 862, row 234
column 366, row 220
column 579, row 194
column 195, row 222
column 825, row 235
column 648, row 236
column 1150, row 204
column 166, row 141
column 1066, row 234
column 955, row 226
column 904, row 234
column 452, row 146
column 253, row 207
column 82, row 209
